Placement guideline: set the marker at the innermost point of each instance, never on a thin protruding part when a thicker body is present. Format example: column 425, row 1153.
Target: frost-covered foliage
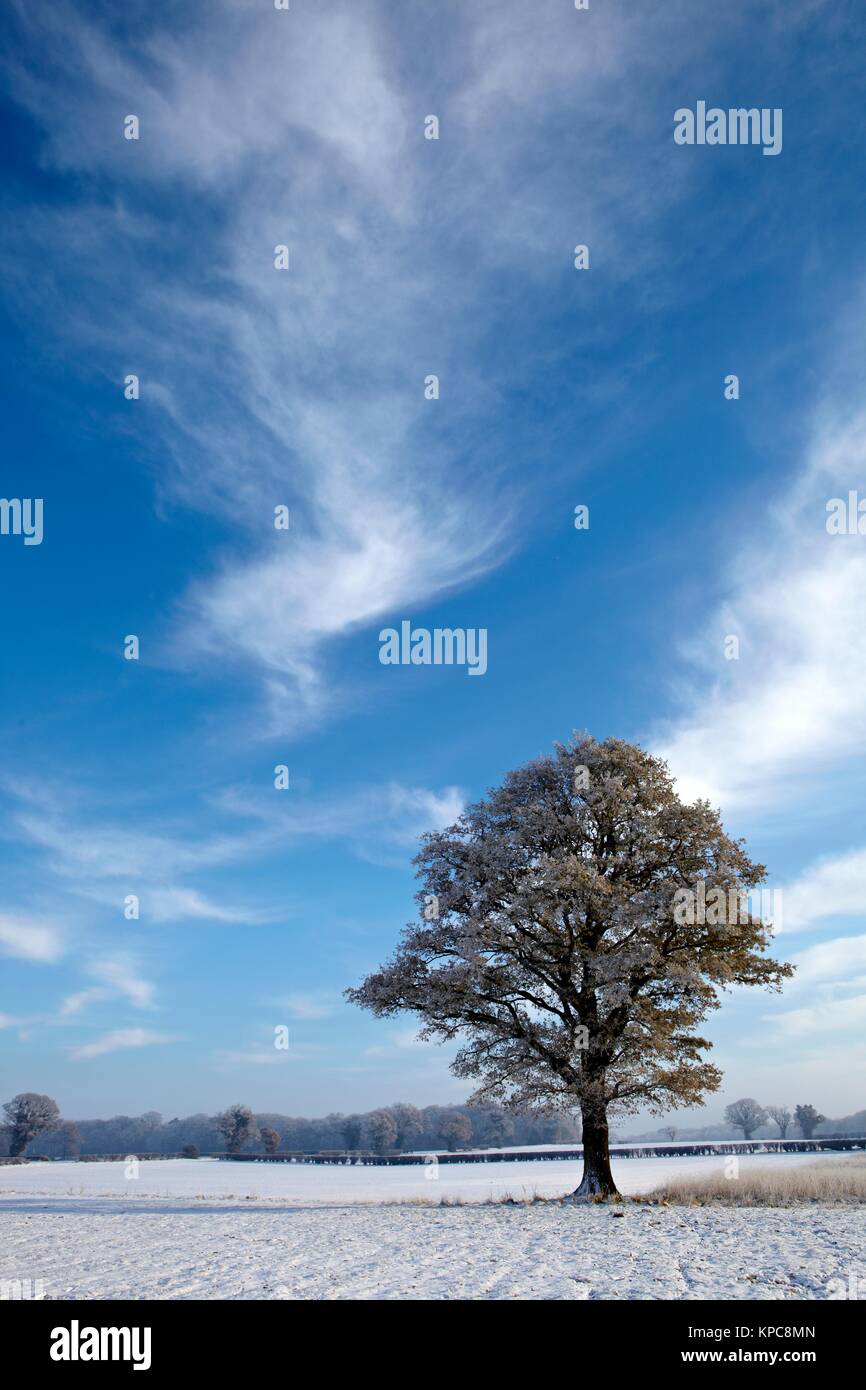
column 747, row 1115
column 808, row 1119
column 780, row 1115
column 270, row 1139
column 556, row 956
column 237, row 1125
column 382, row 1130
column 844, row 1181
column 455, row 1129
column 27, row 1115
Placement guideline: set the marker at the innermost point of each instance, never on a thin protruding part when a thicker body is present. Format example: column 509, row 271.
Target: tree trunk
column 597, row 1179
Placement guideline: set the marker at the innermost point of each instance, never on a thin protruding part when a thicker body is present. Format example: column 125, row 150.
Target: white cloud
column 119, row 978
column 183, row 904
column 85, row 849
column 759, row 730
column 122, row 979
column 75, row 1003
column 313, row 393
column 107, row 861
column 833, row 887
column 120, row 1039
column 381, row 822
column 29, row 939
column 309, row 1008
column 833, row 1016
column 830, row 961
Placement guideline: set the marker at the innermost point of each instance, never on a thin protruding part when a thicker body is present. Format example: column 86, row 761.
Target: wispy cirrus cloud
column 118, row 979
column 104, row 861
column 381, row 822
column 187, row 904
column 311, row 1007
column 29, row 938
column 314, row 390
column 121, row 1039
column 766, row 728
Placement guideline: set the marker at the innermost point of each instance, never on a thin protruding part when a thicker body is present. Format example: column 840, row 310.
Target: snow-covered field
column 187, row 1229
column 201, row 1180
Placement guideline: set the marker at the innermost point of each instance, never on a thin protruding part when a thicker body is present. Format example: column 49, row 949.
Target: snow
column 203, row 1179
column 204, row 1229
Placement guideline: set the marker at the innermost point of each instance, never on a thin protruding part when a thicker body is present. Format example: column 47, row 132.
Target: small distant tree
column 351, row 1131
column 456, row 1129
column 237, row 1125
column 780, row 1115
column 566, row 1129
column 190, row 1151
column 747, row 1115
column 808, row 1119
column 270, row 1138
column 29, row 1114
column 500, row 1128
column 670, row 1132
column 409, row 1123
column 70, row 1139
column 382, row 1128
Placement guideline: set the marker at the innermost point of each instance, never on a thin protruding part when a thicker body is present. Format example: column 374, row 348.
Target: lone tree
column 561, row 956
column 808, row 1119
column 29, row 1114
column 747, row 1115
column 237, row 1125
column 780, row 1115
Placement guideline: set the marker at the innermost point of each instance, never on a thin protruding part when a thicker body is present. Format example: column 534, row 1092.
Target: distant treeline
column 397, row 1127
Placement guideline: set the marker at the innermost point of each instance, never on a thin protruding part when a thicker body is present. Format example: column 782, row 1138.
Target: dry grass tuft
column 840, row 1182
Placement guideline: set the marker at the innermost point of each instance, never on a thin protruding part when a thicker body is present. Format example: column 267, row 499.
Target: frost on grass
column 834, row 1182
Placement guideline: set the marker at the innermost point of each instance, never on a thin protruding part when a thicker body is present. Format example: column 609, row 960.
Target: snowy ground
column 206, row 1178
column 205, row 1229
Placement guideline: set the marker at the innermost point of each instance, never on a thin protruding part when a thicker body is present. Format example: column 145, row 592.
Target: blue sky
column 306, row 388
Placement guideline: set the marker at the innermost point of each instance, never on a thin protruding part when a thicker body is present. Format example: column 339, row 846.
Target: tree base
column 595, row 1187
column 581, row 1194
